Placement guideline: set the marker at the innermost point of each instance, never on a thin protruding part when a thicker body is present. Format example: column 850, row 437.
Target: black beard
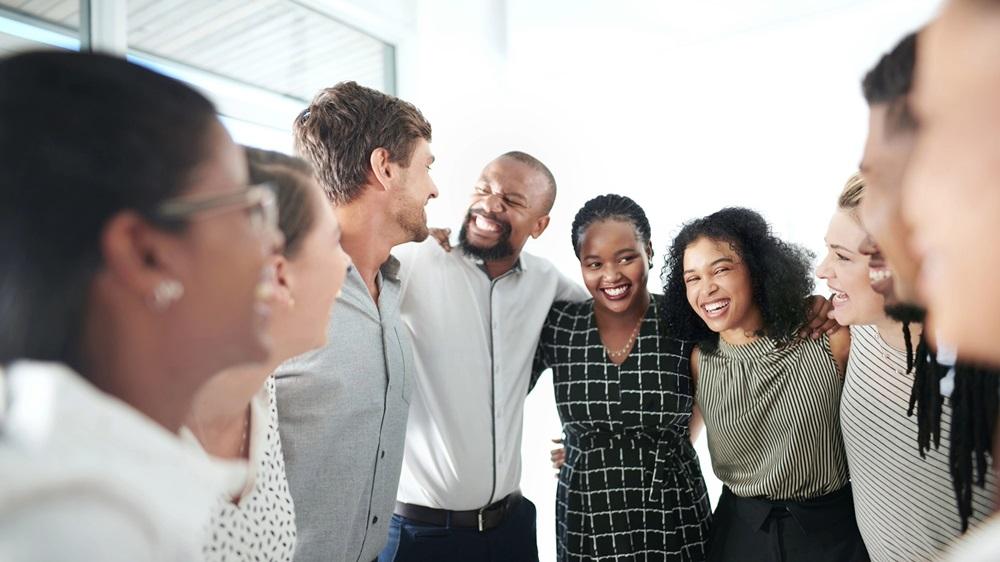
column 906, row 313
column 502, row 249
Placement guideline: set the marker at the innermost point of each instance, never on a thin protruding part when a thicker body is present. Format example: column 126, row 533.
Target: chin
column 262, row 351
column 715, row 325
column 617, row 306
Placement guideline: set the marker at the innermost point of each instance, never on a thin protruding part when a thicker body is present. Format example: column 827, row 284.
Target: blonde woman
column 904, row 502
column 234, row 417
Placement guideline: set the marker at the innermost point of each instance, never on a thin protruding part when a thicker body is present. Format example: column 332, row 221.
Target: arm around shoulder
column 840, row 348
column 567, row 290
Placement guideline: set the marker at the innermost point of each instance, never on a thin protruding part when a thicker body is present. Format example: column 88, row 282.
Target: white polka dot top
column 261, row 526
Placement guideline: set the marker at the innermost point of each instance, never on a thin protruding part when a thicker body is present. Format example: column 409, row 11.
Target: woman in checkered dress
column 630, row 489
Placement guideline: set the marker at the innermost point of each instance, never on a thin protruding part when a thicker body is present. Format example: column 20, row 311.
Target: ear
column 139, row 256
column 283, row 280
column 649, row 253
column 382, row 167
column 540, row 225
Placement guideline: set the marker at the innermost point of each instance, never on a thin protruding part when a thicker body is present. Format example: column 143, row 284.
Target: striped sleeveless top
column 905, row 504
column 772, row 415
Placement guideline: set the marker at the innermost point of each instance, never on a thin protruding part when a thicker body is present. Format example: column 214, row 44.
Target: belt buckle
column 480, row 518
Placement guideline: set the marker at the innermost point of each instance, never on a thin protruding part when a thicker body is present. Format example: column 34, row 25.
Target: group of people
column 224, row 353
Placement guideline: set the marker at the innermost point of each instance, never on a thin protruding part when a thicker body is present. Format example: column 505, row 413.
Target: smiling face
column 845, row 270
column 615, row 265
column 719, row 288
column 510, row 204
column 886, row 156
column 952, row 198
column 224, row 266
column 414, row 190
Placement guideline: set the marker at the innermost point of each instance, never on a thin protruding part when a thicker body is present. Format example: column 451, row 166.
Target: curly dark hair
column 605, row 207
column 780, row 276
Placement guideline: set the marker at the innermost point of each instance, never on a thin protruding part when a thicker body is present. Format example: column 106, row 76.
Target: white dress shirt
column 474, row 341
column 84, row 476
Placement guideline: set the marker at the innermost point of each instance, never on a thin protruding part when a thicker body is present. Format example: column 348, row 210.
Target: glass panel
column 64, row 14
column 277, row 45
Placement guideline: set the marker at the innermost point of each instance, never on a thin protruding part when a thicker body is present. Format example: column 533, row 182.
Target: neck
column 133, row 365
column 496, row 268
column 891, row 332
column 746, row 332
column 367, row 235
column 224, row 399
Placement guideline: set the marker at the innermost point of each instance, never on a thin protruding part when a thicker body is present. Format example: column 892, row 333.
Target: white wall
column 684, row 106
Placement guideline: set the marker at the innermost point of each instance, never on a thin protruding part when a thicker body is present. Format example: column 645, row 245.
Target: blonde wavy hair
column 850, row 197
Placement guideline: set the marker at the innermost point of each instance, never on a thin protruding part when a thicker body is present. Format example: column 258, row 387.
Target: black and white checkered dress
column 631, row 489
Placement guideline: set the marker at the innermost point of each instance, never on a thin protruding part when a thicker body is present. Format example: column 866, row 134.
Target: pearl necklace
column 628, row 344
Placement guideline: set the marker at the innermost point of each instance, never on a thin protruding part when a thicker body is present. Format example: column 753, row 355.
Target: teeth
column 712, row 307
column 840, row 296
column 876, row 275
column 616, row 291
column 486, row 224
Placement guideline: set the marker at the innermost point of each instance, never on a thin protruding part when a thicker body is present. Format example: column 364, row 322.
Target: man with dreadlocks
column 970, row 412
column 951, row 198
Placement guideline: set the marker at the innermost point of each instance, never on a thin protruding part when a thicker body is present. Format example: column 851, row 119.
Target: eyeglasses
column 258, row 200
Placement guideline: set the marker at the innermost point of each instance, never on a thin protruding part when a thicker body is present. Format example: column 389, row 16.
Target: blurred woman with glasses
column 135, row 264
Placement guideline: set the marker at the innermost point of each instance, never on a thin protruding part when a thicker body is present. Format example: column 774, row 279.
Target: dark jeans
column 513, row 541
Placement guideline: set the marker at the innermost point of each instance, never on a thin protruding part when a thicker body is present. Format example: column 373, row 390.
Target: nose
column 610, row 272
column 494, row 203
column 434, row 190
column 824, row 271
column 710, row 286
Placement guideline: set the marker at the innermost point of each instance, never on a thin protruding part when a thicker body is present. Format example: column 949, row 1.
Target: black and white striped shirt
column 772, row 418
column 905, row 504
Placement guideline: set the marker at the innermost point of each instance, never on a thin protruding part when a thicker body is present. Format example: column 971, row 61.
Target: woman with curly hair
column 770, row 399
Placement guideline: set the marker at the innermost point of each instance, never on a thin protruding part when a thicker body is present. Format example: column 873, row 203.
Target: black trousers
column 822, row 529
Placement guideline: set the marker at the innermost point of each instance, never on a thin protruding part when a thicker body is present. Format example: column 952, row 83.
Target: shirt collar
column 518, row 265
column 390, row 269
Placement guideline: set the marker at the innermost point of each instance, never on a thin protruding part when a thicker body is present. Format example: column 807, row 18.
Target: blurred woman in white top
column 234, row 415
column 134, row 266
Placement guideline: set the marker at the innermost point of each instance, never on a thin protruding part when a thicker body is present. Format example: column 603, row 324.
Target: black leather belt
column 484, row 519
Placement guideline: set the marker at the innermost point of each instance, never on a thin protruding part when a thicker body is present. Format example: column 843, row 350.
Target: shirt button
column 383, row 454
column 374, row 520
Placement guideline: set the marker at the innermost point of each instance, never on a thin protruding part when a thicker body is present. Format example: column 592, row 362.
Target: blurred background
column 684, row 106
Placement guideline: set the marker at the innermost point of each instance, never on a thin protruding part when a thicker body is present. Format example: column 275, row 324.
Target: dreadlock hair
column 780, row 276
column 611, row 207
column 974, row 404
